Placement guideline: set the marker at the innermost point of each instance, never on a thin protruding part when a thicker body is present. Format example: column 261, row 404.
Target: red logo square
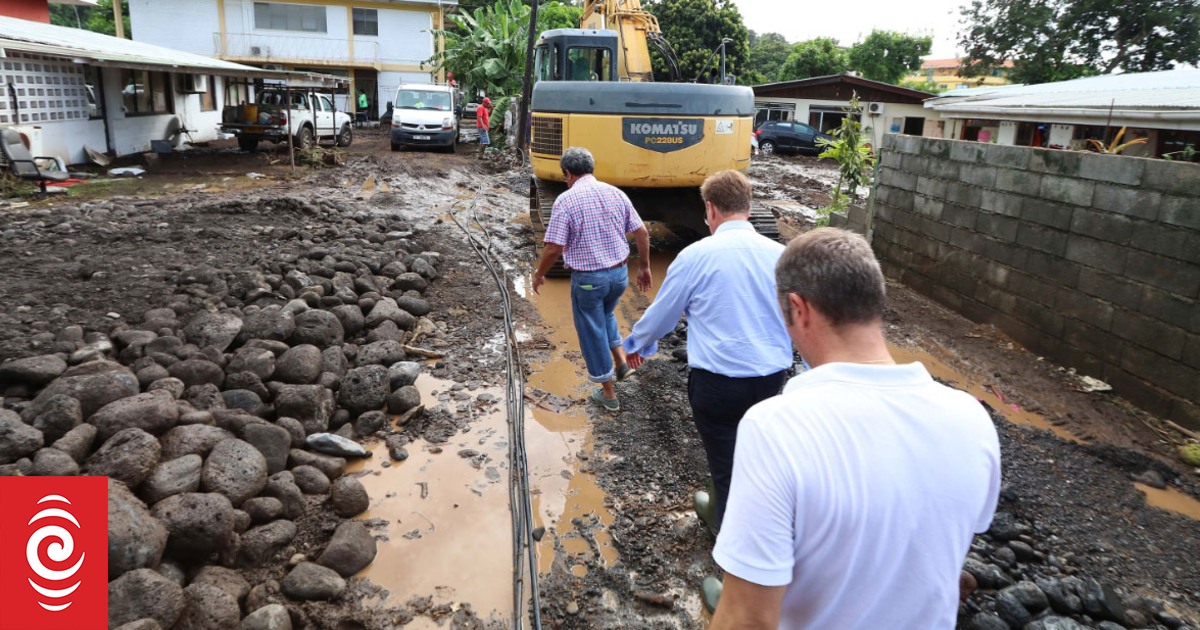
column 54, row 553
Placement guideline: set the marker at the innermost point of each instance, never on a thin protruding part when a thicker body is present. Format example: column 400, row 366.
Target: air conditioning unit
column 875, row 108
column 256, row 51
column 193, row 83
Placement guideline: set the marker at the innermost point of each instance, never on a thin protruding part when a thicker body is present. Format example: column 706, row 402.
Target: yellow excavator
column 656, row 141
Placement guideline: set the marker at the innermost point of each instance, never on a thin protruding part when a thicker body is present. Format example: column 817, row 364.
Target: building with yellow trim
column 945, row 74
column 378, row 44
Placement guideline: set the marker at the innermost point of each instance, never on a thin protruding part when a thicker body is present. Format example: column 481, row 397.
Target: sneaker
column 611, row 405
column 624, row 371
column 710, row 593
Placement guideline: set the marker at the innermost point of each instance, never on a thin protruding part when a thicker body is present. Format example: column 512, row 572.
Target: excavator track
column 764, row 221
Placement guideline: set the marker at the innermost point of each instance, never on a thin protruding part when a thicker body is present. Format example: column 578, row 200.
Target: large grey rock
column 234, row 420
column 89, row 368
column 93, row 391
column 381, row 353
column 424, row 268
column 204, row 396
column 53, row 416
column 351, row 318
column 213, row 329
column 36, row 371
column 387, row 331
column 336, row 445
column 269, row 617
column 51, row 462
column 244, row 400
column 416, row 306
column 199, row 524
column 364, row 389
column 173, row 477
column 129, row 456
column 207, row 607
column 260, row 543
column 272, row 441
column 333, row 361
column 17, row 439
column 257, row 361
column 369, row 423
column 283, row 486
column 1053, row 622
column 172, row 386
column 225, row 579
column 144, row 594
column 153, row 412
column 411, row 282
column 294, row 429
column 77, row 442
column 263, row 509
column 403, row 399
column 235, row 469
column 312, row 405
column 350, row 550
column 136, row 539
column 387, row 310
column 319, row 328
column 248, row 381
column 188, row 439
column 271, row 324
column 308, row 581
column 332, row 467
column 300, row 365
column 198, row 372
column 311, row 480
column 349, row 497
column 403, row 373
column 151, row 373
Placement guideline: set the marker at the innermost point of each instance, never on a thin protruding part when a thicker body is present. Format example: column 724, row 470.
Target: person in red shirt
column 483, row 119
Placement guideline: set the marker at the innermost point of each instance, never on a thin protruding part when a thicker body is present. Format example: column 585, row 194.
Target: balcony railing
column 293, row 48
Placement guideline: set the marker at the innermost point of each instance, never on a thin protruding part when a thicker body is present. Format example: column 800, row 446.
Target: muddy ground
column 1071, row 490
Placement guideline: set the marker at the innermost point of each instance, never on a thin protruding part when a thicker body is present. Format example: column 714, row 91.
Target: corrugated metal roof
column 90, row 47
column 1168, row 90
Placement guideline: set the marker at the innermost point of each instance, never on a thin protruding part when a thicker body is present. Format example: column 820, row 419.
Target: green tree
column 555, row 14
column 768, row 53
column 1054, row 40
column 887, row 56
column 98, row 18
column 855, row 162
column 485, row 48
column 695, row 28
column 924, row 85
column 814, row 58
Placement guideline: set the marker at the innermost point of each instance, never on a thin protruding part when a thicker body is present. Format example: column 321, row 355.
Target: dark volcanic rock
column 213, row 329
column 198, row 439
column 129, row 456
column 36, row 371
column 311, row 480
column 77, row 442
column 225, row 579
column 144, row 594
column 198, row 372
column 272, row 441
column 271, row 324
column 235, row 469
column 93, row 391
column 283, row 486
column 364, row 389
column 54, row 416
column 153, row 412
column 313, row 581
column 319, row 328
column 173, row 477
column 381, row 353
column 332, row 467
column 403, row 373
column 350, row 550
column 257, row 361
column 403, row 399
column 199, row 524
column 349, row 497
column 17, row 439
column 51, row 462
column 269, row 617
column 136, row 539
column 312, row 405
column 300, row 365
column 261, row 543
column 207, row 607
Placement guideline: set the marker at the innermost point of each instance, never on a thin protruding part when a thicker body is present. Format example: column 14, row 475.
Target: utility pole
column 118, row 20
column 527, row 85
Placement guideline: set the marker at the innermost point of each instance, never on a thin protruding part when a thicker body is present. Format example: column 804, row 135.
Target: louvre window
column 289, row 17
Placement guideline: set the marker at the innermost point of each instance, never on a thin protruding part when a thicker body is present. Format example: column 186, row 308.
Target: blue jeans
column 594, row 297
column 483, row 137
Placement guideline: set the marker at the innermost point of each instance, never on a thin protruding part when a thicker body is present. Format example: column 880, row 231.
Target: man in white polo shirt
column 857, row 491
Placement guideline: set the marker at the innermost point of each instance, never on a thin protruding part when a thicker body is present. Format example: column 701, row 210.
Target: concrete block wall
column 1091, row 260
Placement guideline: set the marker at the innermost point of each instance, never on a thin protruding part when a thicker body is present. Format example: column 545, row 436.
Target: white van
column 425, row 115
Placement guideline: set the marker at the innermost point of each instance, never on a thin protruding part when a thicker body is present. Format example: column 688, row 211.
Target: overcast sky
column 849, row 22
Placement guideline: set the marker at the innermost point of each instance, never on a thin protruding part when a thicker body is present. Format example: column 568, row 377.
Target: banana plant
column 1115, row 147
column 485, row 48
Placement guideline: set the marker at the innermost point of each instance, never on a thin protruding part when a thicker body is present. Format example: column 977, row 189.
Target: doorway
column 914, row 126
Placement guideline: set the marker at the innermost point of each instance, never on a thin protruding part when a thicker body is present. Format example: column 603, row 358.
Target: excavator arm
column 637, row 30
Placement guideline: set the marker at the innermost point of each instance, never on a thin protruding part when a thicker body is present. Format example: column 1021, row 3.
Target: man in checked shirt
column 588, row 228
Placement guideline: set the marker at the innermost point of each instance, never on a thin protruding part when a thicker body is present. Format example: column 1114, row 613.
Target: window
column 324, row 103
column 289, row 17
column 91, row 82
column 545, row 62
column 366, row 22
column 423, row 99
column 145, row 92
column 588, row 64
column 208, row 98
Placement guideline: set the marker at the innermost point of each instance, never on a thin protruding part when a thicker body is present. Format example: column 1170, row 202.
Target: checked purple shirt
column 590, row 221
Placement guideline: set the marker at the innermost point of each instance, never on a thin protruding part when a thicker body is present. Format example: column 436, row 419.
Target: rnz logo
column 54, row 553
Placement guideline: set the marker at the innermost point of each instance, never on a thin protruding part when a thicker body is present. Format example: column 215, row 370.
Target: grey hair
column 577, row 161
column 835, row 271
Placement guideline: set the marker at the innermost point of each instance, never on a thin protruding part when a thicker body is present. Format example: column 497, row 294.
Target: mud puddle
column 989, row 394
column 578, row 536
column 1172, row 500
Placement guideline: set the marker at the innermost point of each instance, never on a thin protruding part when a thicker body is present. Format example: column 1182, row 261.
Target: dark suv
column 781, row 136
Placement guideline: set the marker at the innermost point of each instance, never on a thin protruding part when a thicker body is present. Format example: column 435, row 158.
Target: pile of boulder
column 1010, row 582
column 224, row 418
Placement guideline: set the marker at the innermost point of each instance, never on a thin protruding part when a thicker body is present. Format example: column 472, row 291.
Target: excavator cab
column 576, row 54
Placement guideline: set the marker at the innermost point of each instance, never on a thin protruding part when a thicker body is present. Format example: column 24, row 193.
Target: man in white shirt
column 855, row 493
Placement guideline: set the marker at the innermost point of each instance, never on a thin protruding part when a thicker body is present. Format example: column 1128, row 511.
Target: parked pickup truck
column 281, row 115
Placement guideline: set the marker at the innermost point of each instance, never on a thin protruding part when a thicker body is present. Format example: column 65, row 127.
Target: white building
column 377, row 44
column 65, row 89
column 821, row 102
column 1163, row 107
